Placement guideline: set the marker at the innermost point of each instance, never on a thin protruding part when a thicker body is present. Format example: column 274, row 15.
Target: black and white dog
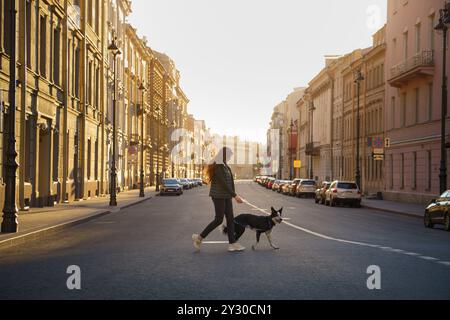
column 259, row 224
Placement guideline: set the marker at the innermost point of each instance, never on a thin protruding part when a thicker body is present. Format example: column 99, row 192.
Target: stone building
column 413, row 100
column 65, row 100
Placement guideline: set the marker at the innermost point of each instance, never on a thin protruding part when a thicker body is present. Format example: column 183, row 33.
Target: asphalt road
column 145, row 252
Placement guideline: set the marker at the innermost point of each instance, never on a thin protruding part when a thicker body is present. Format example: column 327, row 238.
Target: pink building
column 413, row 100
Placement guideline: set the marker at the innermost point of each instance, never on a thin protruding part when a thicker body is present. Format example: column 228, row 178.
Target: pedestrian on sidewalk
column 222, row 192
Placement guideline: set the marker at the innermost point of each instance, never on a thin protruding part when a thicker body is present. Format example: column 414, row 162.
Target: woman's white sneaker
column 197, row 241
column 235, row 247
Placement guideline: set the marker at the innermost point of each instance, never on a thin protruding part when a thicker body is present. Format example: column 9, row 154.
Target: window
column 417, row 109
column 403, row 110
column 76, row 73
column 405, row 46
column 56, row 153
column 2, row 5
column 392, row 172
column 89, row 159
column 28, row 30
column 97, row 16
column 7, row 41
column 96, row 160
column 393, row 112
column 89, row 84
column 97, row 88
column 43, row 47
column 418, row 44
column 432, row 31
column 402, row 171
column 414, row 171
column 89, row 12
column 430, row 170
column 56, row 56
column 430, row 101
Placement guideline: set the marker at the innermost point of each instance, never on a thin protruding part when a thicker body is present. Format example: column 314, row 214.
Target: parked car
column 292, row 187
column 170, row 186
column 276, row 185
column 437, row 212
column 193, row 183
column 199, row 182
column 261, row 180
column 284, row 189
column 270, row 183
column 306, row 188
column 320, row 193
column 185, row 183
column 343, row 192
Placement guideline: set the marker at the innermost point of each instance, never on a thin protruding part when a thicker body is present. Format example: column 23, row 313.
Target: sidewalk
column 44, row 221
column 406, row 209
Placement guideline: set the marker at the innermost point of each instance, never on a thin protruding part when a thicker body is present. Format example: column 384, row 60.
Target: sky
column 239, row 58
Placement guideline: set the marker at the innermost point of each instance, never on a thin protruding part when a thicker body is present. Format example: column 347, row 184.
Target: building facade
column 413, row 100
column 65, row 100
column 285, row 119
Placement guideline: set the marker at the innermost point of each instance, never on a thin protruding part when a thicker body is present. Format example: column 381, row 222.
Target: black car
column 437, row 212
column 170, row 186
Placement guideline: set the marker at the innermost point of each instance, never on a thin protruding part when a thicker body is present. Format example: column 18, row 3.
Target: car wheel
column 447, row 222
column 332, row 203
column 428, row 221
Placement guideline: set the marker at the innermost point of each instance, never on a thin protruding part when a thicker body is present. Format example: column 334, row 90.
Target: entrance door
column 44, row 166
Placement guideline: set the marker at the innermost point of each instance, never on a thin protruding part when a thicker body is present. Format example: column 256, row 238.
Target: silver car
column 343, row 192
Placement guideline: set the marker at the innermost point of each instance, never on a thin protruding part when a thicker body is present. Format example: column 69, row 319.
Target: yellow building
column 65, row 100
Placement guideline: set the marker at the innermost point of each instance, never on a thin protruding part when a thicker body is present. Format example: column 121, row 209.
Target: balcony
column 312, row 149
column 420, row 65
column 135, row 139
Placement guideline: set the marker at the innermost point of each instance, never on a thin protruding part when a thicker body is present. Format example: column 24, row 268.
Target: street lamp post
column 311, row 138
column 291, row 149
column 143, row 89
column 10, row 223
column 158, row 109
column 173, row 126
column 444, row 20
column 358, row 79
column 113, row 198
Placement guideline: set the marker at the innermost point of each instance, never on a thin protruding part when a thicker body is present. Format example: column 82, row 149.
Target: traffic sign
column 387, row 143
column 378, row 151
column 297, row 164
column 378, row 142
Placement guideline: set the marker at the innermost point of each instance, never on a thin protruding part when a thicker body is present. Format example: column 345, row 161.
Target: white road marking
column 428, row 258
column 215, row 242
column 362, row 244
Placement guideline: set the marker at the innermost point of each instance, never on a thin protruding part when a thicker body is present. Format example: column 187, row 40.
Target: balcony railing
column 135, row 139
column 312, row 149
column 421, row 63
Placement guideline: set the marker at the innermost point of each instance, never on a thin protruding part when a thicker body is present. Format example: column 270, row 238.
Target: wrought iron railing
column 424, row 58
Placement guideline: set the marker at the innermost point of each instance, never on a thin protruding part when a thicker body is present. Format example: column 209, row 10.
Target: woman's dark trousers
column 223, row 207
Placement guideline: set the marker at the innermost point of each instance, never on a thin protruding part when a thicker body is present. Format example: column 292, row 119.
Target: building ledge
column 420, row 65
column 312, row 149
